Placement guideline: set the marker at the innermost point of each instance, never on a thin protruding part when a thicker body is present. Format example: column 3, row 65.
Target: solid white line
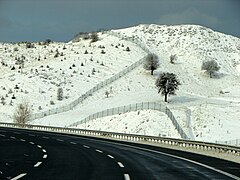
column 39, row 146
column 31, row 142
column 2, row 135
column 45, row 156
column 120, row 164
column 126, row 177
column 45, row 137
column 98, row 151
column 73, row 143
column 38, row 164
column 86, row 146
column 178, row 157
column 110, row 156
column 19, row 176
column 185, row 159
column 22, row 140
column 43, row 150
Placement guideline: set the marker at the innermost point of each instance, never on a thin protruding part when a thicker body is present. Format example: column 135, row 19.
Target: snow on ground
column 207, row 109
column 147, row 124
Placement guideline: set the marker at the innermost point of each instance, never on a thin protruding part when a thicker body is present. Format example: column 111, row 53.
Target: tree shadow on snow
column 181, row 99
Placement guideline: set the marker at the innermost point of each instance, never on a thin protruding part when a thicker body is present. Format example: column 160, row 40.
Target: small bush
column 23, row 113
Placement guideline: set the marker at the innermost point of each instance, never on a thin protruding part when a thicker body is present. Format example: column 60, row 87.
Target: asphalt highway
column 36, row 155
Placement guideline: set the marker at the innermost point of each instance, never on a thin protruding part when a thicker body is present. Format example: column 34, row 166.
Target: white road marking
column 98, row 150
column 179, row 157
column 16, row 132
column 120, row 164
column 126, row 177
column 45, row 137
column 38, row 164
column 110, row 156
column 60, row 140
column 12, row 137
column 22, row 140
column 43, row 150
column 44, row 156
column 19, row 176
column 31, row 142
column 2, row 135
column 39, row 146
column 73, row 143
column 31, row 135
column 86, row 146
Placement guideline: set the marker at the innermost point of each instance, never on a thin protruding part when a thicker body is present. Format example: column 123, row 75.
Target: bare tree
column 151, row 62
column 167, row 83
column 210, row 66
column 23, row 113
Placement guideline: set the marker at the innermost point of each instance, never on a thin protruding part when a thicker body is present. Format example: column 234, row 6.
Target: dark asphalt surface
column 41, row 155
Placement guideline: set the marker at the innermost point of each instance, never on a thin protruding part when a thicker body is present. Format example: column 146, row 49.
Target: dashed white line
column 120, row 164
column 73, row 143
column 12, row 137
column 19, row 176
column 39, row 146
column 86, row 146
column 110, row 156
column 2, row 135
column 38, row 164
column 31, row 135
column 43, row 150
column 126, row 177
column 44, row 156
column 22, row 140
column 31, row 142
column 98, row 150
column 45, row 137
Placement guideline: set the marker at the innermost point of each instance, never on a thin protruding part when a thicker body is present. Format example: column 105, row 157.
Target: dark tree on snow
column 94, row 37
column 60, row 94
column 210, row 66
column 167, row 83
column 151, row 62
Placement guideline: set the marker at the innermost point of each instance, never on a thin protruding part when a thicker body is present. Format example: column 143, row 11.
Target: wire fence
column 135, row 107
column 233, row 142
column 99, row 86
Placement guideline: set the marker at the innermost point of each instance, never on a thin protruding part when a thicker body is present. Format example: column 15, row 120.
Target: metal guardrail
column 135, row 107
column 177, row 143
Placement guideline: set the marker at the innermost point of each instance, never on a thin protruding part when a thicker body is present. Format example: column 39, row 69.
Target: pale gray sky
column 60, row 20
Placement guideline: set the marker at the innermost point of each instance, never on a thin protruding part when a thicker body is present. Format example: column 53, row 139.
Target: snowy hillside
column 208, row 109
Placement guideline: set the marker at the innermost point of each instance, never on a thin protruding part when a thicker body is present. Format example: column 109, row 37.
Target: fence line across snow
column 135, row 107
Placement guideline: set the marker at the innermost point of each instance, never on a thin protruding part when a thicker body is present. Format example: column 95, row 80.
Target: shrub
column 23, row 113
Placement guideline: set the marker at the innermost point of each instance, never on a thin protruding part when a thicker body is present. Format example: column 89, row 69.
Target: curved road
column 36, row 155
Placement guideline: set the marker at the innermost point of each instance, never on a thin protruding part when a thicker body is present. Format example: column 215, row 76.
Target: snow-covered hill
column 207, row 108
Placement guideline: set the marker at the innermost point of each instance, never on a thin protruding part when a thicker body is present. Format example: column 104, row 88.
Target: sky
column 60, row 20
